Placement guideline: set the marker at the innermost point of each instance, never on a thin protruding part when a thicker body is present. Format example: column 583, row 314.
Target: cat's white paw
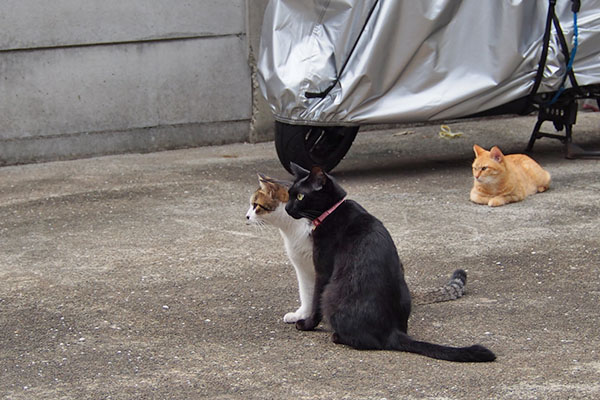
column 293, row 317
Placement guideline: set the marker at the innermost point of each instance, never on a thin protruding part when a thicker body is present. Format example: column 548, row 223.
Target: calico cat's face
column 266, row 201
column 488, row 166
column 312, row 193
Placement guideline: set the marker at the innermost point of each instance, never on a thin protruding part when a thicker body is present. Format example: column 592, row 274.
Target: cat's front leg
column 502, row 200
column 306, row 284
column 497, row 201
column 315, row 317
column 309, row 323
column 301, row 313
column 475, row 197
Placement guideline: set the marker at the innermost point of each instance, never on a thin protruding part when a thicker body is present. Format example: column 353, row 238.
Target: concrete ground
column 135, row 276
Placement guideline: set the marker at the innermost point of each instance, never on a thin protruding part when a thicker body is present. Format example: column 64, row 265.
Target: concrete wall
column 84, row 78
column 262, row 124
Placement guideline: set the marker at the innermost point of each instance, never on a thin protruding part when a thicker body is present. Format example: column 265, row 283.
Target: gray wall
column 84, row 78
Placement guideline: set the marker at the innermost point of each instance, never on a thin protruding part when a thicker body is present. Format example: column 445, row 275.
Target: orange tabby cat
column 500, row 179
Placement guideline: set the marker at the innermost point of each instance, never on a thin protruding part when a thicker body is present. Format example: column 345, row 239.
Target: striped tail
column 454, row 289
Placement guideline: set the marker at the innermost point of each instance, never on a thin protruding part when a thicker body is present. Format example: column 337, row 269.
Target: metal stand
column 562, row 109
column 563, row 115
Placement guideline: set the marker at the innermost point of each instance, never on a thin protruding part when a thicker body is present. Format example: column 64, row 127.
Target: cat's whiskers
column 258, row 224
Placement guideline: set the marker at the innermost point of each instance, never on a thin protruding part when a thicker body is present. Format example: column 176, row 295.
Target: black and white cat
column 267, row 207
column 359, row 284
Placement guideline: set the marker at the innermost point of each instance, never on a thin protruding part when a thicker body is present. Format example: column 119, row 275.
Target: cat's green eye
column 300, row 196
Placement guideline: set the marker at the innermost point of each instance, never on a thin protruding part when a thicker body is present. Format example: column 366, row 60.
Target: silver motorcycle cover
column 415, row 60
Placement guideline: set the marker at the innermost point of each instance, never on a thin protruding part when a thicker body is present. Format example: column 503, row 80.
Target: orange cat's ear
column 496, row 154
column 478, row 150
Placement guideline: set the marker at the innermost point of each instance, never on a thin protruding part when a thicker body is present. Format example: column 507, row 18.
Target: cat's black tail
column 402, row 342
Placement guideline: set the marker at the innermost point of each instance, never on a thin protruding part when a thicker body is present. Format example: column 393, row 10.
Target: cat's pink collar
column 319, row 220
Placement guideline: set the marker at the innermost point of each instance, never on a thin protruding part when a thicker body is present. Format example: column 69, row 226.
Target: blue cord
column 571, row 58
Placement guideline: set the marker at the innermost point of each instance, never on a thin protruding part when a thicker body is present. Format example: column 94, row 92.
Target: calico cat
column 500, row 179
column 359, row 286
column 267, row 207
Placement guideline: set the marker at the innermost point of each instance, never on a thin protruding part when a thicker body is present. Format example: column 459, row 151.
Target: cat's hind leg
column 362, row 341
column 355, row 334
column 544, row 183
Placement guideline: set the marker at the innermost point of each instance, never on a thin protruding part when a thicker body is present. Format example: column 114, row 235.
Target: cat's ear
column 496, row 154
column 317, row 178
column 262, row 179
column 478, row 150
column 264, row 182
column 298, row 171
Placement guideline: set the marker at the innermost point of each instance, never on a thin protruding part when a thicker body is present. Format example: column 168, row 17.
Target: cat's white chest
column 297, row 241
